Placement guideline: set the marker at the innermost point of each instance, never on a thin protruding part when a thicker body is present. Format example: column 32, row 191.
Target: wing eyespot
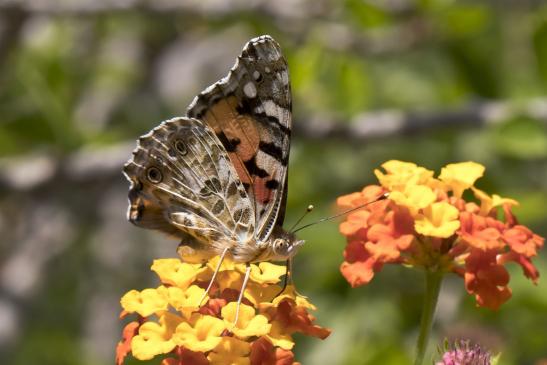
column 257, row 76
column 154, row 175
column 180, row 147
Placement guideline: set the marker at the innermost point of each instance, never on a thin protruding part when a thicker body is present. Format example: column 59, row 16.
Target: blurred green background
column 431, row 81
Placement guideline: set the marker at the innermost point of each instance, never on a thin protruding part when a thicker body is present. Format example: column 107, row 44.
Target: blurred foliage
column 92, row 79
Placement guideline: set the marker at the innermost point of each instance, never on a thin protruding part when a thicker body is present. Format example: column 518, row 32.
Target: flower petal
column 522, row 240
column 461, row 176
column 486, row 279
column 203, row 336
column 360, row 266
column 438, row 220
column 248, row 323
column 175, row 272
column 414, row 197
column 145, row 303
column 231, row 351
column 267, row 273
column 155, row 338
column 124, row 347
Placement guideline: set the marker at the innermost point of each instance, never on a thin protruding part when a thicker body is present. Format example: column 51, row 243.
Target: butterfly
column 217, row 178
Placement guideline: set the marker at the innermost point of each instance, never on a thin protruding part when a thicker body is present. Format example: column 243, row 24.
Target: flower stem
column 433, row 280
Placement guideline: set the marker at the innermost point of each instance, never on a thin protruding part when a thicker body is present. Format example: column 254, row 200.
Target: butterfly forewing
column 250, row 113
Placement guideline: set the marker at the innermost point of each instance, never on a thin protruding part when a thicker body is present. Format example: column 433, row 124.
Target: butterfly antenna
column 308, row 209
column 381, row 197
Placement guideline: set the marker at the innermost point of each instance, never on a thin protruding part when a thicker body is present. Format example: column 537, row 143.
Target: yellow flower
column 227, row 264
column 400, row 174
column 461, row 176
column 185, row 301
column 258, row 294
column 229, row 279
column 248, row 324
column 267, row 273
column 290, row 293
column 201, row 333
column 487, row 202
column 155, row 338
column 205, row 332
column 438, row 220
column 231, row 351
column 145, row 303
column 279, row 337
column 414, row 197
column 176, row 272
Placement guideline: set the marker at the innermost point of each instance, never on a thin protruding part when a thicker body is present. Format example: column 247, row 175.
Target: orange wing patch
column 242, row 138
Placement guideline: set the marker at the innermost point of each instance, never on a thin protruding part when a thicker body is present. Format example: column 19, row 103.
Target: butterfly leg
column 286, row 279
column 240, row 298
column 222, row 256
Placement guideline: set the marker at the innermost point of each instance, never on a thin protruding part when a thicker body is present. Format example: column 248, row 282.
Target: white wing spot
column 270, row 108
column 265, row 161
column 250, row 90
column 256, row 75
column 285, row 77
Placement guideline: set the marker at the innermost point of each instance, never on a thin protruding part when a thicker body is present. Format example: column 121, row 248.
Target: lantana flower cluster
column 172, row 325
column 427, row 222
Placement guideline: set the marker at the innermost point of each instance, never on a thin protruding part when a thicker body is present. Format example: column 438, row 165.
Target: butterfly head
column 285, row 246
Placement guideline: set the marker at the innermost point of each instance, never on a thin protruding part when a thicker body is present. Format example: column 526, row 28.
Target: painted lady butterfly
column 217, row 178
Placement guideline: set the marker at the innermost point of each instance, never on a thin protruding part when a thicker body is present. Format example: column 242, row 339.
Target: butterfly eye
column 181, row 147
column 154, row 175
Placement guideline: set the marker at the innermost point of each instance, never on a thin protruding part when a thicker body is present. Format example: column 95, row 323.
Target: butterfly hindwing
column 250, row 112
column 183, row 183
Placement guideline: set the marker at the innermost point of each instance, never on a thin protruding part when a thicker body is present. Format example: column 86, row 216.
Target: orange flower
column 522, row 241
column 359, row 265
column 173, row 324
column 476, row 232
column 426, row 223
column 184, row 357
column 124, row 347
column 263, row 352
column 485, row 278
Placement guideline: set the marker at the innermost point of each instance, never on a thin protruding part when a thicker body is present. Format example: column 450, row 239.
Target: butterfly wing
column 250, row 112
column 183, row 183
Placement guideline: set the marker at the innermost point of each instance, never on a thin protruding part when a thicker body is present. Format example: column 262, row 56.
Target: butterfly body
column 217, row 178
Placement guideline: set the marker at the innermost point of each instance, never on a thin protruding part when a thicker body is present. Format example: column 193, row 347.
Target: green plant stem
column 433, row 282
